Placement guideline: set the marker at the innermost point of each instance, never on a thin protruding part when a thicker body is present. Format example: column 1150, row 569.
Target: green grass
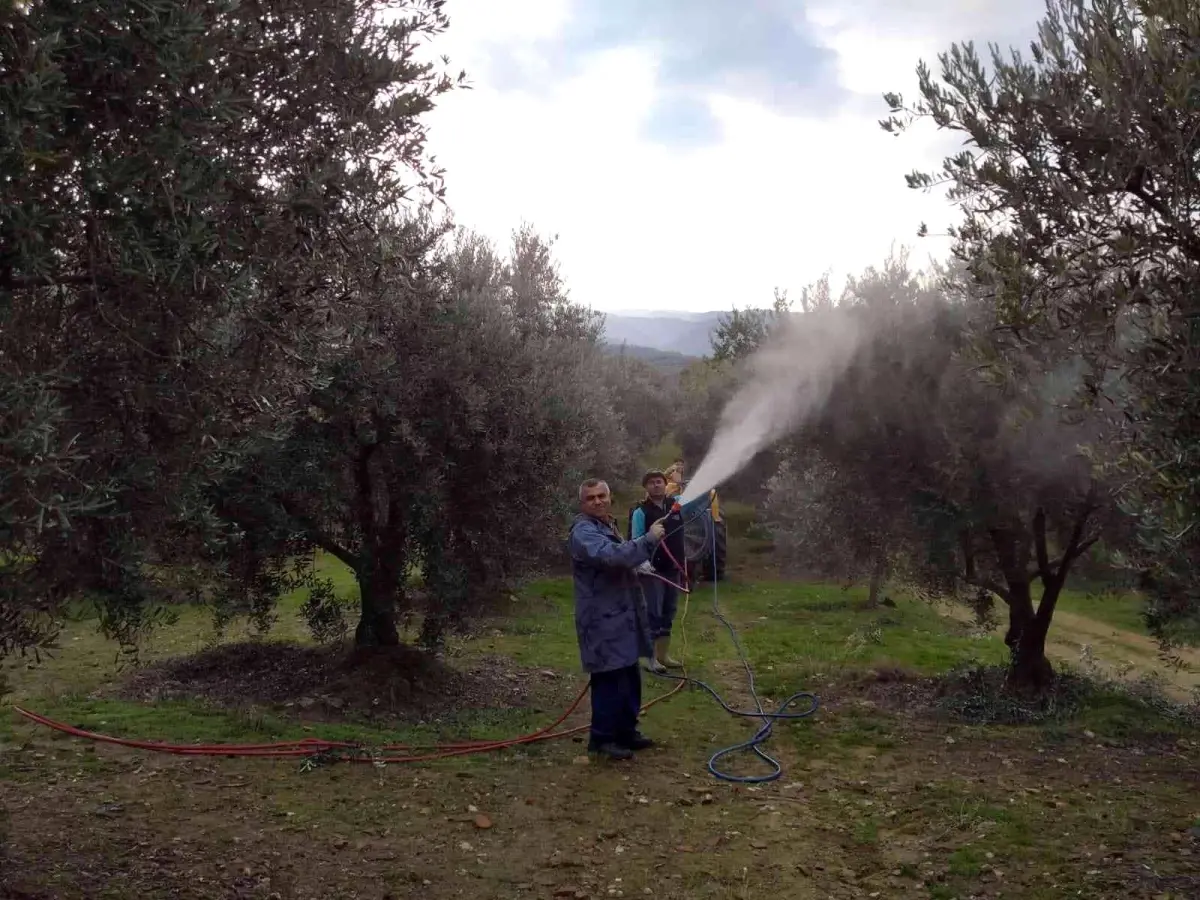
column 800, row 637
column 877, row 792
column 1120, row 610
column 794, row 633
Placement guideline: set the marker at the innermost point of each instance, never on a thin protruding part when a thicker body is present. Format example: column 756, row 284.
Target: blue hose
column 769, row 719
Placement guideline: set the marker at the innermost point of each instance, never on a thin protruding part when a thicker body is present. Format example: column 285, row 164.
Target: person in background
column 610, row 620
column 675, row 480
column 712, row 567
column 662, row 599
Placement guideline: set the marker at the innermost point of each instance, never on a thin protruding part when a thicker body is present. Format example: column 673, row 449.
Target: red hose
column 312, row 746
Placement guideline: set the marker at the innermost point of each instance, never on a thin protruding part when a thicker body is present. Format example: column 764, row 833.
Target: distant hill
column 669, row 361
column 687, row 333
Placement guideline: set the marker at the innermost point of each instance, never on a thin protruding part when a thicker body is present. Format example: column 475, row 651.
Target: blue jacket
column 610, row 612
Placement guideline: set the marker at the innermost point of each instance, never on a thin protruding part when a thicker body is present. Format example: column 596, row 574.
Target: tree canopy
column 1078, row 191
column 183, row 187
column 441, row 441
column 921, row 469
column 230, row 336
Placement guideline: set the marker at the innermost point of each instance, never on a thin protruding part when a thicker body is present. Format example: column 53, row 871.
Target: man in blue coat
column 610, row 620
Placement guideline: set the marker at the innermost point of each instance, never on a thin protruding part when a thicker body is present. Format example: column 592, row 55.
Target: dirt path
column 1118, row 652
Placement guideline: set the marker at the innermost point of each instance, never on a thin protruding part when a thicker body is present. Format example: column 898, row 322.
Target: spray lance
column 668, row 561
column 692, row 508
column 674, row 545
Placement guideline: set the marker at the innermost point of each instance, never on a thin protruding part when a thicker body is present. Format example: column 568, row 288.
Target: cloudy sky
column 694, row 154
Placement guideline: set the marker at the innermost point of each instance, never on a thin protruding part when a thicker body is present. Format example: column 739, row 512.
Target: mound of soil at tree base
column 971, row 694
column 329, row 682
column 981, row 695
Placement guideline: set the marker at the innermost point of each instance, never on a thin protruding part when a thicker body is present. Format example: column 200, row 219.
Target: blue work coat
column 610, row 612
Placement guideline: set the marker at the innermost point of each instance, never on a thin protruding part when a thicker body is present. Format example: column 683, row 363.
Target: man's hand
column 657, row 530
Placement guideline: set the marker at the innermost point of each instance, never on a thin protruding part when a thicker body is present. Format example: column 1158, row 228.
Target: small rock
column 759, row 845
column 482, row 821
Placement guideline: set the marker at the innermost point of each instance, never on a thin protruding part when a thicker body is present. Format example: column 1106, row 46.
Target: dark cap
column 653, row 473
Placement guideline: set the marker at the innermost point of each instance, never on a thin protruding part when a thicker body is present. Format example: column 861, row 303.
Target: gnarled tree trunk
column 1031, row 671
column 378, row 585
column 1026, row 639
column 878, row 575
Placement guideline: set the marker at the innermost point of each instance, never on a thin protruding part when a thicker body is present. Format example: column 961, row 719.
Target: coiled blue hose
column 760, row 737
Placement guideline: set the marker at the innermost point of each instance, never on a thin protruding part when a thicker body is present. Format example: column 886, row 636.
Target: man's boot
column 662, row 647
column 636, row 741
column 611, row 750
column 654, row 666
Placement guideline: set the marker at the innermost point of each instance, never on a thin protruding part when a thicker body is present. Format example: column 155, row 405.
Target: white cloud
column 778, row 202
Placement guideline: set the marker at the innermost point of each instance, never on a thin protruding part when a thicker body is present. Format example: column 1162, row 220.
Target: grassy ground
column 882, row 795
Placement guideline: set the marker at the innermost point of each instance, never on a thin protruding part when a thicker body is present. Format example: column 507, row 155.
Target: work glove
column 657, row 530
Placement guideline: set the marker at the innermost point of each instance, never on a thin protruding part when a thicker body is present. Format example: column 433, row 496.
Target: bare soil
column 401, row 683
column 925, row 814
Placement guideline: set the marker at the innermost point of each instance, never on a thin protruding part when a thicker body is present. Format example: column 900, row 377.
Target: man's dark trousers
column 616, row 702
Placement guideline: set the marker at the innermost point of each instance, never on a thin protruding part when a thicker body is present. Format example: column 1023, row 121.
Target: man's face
column 656, row 487
column 596, row 501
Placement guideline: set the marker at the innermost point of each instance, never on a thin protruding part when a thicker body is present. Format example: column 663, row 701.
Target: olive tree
column 1078, row 188
column 644, row 398
column 445, row 439
column 920, row 465
column 183, row 188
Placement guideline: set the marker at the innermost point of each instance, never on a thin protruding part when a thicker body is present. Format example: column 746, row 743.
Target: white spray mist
column 787, row 380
